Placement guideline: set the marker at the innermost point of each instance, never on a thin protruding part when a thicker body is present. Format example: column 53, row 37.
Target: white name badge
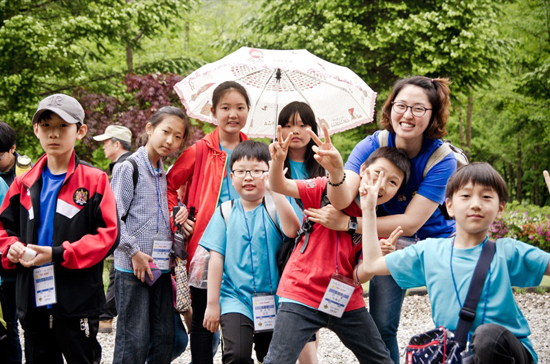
column 337, row 295
column 161, row 254
column 44, row 286
column 264, row 312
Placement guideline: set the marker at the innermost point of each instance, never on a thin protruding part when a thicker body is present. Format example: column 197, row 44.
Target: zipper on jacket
column 51, row 322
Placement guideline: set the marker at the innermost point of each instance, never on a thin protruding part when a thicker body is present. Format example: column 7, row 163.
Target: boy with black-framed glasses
column 243, row 243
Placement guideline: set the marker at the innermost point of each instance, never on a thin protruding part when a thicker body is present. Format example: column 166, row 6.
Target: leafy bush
column 527, row 223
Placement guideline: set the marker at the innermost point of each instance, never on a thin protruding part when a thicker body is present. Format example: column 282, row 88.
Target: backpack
column 437, row 156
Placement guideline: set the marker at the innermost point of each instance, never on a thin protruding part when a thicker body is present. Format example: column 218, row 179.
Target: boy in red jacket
column 57, row 224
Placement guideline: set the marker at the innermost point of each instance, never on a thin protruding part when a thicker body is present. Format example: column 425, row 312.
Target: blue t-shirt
column 431, row 187
column 51, row 184
column 515, row 264
column 250, row 258
column 227, row 192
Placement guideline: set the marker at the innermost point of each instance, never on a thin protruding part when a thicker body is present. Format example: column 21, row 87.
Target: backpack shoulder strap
column 135, row 173
column 225, row 210
column 383, row 137
column 269, row 206
column 467, row 313
column 437, row 156
column 135, row 176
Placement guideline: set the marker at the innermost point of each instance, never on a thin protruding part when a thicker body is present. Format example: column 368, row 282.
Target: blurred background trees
column 120, row 58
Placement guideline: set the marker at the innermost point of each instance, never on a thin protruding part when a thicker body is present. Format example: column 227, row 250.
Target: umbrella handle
column 278, row 81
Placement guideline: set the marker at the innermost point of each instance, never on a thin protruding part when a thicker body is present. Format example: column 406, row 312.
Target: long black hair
column 287, row 115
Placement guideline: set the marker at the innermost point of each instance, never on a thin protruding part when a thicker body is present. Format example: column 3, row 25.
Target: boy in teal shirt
column 243, row 253
column 476, row 195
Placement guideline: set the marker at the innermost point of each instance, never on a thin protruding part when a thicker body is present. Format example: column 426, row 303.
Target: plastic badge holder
column 156, row 274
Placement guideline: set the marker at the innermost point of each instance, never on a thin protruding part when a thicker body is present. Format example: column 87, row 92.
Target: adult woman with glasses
column 415, row 115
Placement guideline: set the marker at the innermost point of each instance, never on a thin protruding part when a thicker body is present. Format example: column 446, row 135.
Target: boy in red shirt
column 317, row 288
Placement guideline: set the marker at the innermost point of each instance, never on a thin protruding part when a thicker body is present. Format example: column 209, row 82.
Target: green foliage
column 529, row 223
column 385, row 40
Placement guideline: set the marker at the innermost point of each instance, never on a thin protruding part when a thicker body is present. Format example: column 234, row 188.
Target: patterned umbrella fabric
column 275, row 78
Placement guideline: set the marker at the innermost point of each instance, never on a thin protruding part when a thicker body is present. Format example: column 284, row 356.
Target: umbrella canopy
column 275, row 78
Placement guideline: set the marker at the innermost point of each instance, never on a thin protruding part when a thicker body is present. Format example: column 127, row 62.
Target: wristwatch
column 352, row 225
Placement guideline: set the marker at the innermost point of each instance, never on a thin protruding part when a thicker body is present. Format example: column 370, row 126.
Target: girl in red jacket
column 204, row 167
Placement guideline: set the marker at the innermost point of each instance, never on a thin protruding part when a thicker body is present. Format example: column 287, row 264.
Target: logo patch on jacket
column 80, row 196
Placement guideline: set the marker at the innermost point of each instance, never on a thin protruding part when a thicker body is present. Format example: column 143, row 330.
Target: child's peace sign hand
column 388, row 245
column 325, row 153
column 279, row 148
column 369, row 190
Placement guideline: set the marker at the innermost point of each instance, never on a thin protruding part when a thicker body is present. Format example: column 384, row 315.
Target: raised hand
column 388, row 245
column 369, row 190
column 279, row 148
column 547, row 179
column 325, row 153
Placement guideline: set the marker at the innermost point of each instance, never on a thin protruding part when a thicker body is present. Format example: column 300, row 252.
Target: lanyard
column 250, row 247
column 456, row 288
column 227, row 178
column 159, row 207
column 336, row 252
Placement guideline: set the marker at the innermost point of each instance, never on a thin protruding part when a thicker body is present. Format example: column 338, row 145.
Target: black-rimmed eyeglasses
column 401, row 108
column 256, row 173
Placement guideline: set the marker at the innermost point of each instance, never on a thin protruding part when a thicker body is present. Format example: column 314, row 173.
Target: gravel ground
column 416, row 317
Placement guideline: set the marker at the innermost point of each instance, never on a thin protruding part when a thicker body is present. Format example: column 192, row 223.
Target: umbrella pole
column 278, row 85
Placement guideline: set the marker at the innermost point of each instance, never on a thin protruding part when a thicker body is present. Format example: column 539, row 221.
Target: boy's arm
column 547, row 272
column 374, row 262
column 290, row 224
column 215, row 273
column 277, row 180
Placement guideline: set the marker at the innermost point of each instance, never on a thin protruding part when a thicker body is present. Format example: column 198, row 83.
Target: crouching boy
column 476, row 195
column 57, row 224
column 243, row 241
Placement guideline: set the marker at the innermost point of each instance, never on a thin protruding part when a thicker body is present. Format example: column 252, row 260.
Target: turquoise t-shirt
column 3, row 189
column 228, row 192
column 297, row 171
column 515, row 264
column 250, row 256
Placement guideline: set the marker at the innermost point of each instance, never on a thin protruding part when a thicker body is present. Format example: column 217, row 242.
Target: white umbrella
column 275, row 78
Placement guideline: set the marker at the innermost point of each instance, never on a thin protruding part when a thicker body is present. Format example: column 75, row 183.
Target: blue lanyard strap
column 250, row 249
column 456, row 288
column 159, row 207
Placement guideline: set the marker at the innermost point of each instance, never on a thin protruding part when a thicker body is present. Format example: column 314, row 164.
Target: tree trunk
column 469, row 126
column 536, row 188
column 129, row 58
column 460, row 126
column 129, row 53
column 519, row 171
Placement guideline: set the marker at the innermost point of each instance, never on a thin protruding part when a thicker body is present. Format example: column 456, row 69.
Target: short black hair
column 7, row 137
column 250, row 149
column 47, row 115
column 478, row 173
column 395, row 155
